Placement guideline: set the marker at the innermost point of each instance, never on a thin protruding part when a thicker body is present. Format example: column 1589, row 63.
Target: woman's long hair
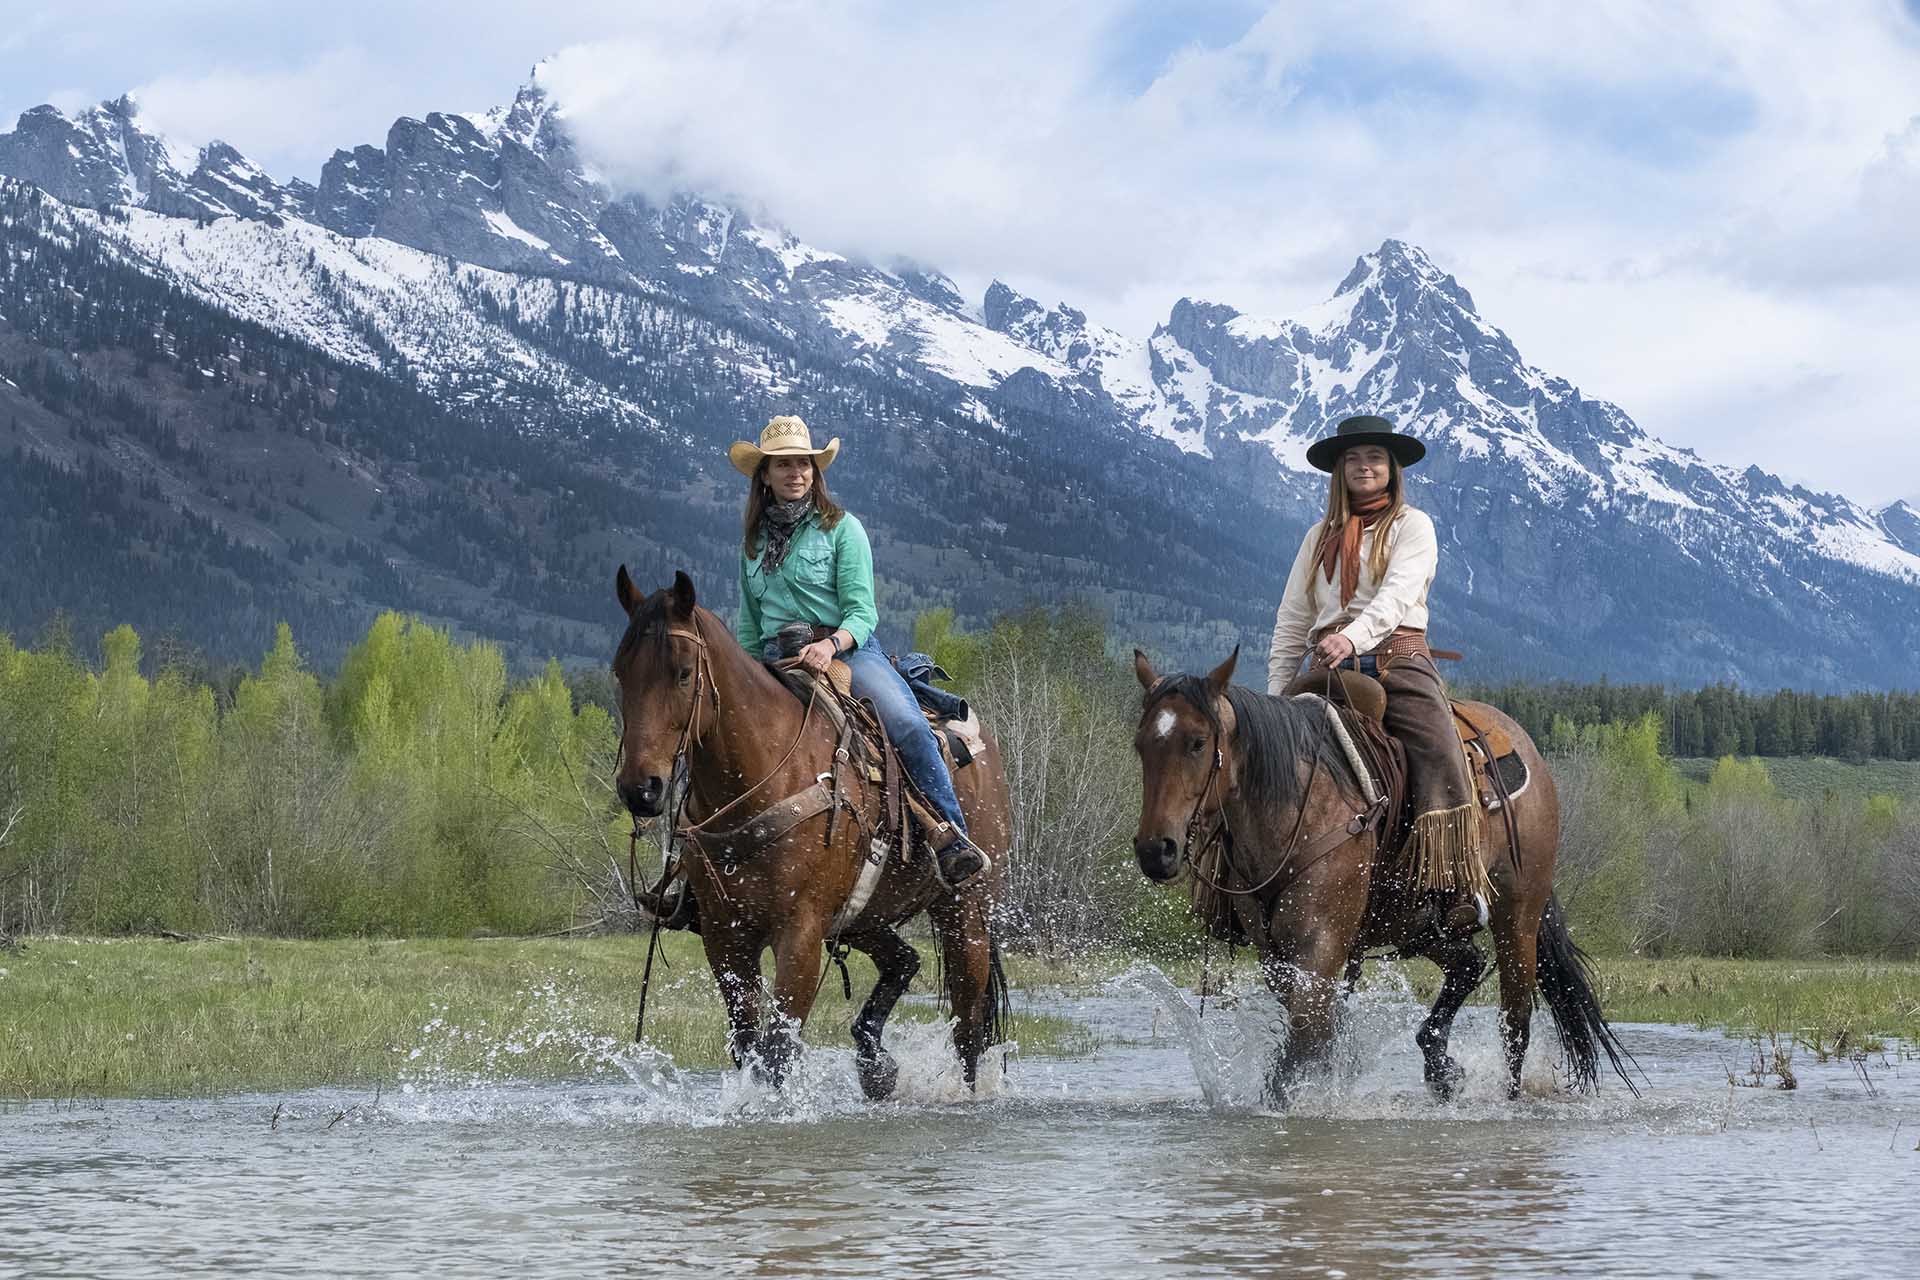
column 759, row 493
column 1337, row 512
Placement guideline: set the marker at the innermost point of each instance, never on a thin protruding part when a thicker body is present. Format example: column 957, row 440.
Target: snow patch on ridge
column 792, row 254
column 507, row 228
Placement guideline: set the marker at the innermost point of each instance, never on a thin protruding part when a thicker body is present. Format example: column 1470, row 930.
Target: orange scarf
column 1344, row 551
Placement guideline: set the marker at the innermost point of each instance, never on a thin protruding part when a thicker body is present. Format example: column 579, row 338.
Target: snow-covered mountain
column 480, row 260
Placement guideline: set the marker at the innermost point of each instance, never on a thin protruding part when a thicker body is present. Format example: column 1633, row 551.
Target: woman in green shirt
column 805, row 559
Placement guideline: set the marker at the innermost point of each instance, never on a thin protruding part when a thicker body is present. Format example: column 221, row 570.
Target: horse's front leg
column 796, row 983
column 735, row 962
column 1307, row 980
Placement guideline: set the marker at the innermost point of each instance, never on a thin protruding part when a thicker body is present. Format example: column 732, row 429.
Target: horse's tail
column 1566, row 980
column 999, row 996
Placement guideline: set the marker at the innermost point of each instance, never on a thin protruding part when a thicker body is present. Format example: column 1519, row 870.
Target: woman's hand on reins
column 1333, row 650
column 818, row 656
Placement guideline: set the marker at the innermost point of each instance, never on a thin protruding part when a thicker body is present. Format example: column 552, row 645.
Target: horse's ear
column 683, row 597
column 625, row 591
column 1143, row 669
column 1221, row 676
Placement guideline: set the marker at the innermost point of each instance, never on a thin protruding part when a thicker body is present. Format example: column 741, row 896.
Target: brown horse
column 688, row 689
column 1312, row 890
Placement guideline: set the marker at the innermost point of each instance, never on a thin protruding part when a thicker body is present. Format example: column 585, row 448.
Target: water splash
column 1373, row 1070
column 479, row 1072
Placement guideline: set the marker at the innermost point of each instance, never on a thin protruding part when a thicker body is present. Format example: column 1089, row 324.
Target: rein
column 692, row 735
column 1321, row 847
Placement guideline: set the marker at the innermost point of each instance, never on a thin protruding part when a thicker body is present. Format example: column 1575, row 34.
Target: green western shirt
column 826, row 580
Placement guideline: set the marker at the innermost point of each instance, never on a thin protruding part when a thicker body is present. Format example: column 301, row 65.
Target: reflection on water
column 1152, row 1155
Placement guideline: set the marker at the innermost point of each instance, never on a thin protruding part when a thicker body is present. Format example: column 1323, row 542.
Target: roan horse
column 688, row 689
column 1310, row 888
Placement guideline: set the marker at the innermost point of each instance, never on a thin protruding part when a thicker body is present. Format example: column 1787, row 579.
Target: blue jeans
column 874, row 678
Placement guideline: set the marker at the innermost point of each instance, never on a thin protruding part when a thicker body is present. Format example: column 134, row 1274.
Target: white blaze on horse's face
column 1173, row 743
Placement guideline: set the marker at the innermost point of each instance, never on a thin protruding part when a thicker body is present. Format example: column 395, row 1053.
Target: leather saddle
column 961, row 741
column 1487, row 745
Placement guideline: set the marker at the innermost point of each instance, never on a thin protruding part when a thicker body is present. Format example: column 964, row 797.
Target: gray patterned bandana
column 779, row 522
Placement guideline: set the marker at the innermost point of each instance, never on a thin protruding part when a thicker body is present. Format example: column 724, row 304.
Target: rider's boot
column 1465, row 913
column 957, row 859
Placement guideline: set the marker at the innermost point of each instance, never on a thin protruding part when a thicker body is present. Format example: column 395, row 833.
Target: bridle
column 1322, row 845
column 702, row 678
column 692, row 735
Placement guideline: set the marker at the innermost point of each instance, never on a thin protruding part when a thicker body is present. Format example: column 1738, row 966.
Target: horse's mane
column 649, row 626
column 649, row 635
column 1275, row 737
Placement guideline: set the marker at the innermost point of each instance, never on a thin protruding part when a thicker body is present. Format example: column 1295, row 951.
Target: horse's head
column 662, row 671
column 1187, row 764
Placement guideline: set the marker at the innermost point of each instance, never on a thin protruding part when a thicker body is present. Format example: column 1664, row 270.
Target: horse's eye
column 1194, row 745
column 685, row 675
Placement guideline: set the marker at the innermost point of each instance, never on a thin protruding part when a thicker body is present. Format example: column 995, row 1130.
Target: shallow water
column 1151, row 1155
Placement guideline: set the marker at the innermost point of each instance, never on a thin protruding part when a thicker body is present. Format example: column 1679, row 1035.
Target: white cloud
column 276, row 111
column 1696, row 209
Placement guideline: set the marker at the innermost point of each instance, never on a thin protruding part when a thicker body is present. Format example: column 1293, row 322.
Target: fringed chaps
column 1443, row 852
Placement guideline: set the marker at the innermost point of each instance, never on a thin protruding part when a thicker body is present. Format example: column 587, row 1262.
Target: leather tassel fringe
column 1212, row 908
column 1445, row 851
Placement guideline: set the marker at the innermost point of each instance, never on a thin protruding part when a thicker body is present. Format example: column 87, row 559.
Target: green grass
column 1808, row 778
column 142, row 1017
column 1816, row 1000
column 1813, row 999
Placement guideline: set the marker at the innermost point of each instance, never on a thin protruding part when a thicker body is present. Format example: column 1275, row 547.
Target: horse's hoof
column 1443, row 1080
column 772, row 1058
column 878, row 1074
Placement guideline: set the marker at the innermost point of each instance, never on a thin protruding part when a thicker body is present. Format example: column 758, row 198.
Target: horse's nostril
column 643, row 798
column 1156, row 856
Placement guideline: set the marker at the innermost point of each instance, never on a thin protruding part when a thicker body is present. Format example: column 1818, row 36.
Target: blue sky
column 1699, row 210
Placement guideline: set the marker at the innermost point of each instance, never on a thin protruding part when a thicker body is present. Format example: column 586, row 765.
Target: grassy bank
column 1865, row 999
column 143, row 1017
column 1814, row 999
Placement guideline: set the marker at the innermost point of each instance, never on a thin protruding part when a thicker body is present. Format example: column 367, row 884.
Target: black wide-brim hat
column 1324, row 454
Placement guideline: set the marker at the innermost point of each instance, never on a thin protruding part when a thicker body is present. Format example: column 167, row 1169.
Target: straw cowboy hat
column 1365, row 429
column 783, row 437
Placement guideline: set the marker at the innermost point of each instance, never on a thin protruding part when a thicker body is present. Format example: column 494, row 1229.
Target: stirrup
column 1467, row 915
column 959, row 861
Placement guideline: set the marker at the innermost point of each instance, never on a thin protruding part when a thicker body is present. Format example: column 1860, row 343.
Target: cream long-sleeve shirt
column 1379, row 606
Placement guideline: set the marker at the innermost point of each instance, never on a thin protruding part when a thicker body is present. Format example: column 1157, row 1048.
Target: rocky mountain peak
column 1901, row 520
column 1060, row 332
column 1404, row 272
column 533, row 120
column 932, row 286
column 105, row 156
